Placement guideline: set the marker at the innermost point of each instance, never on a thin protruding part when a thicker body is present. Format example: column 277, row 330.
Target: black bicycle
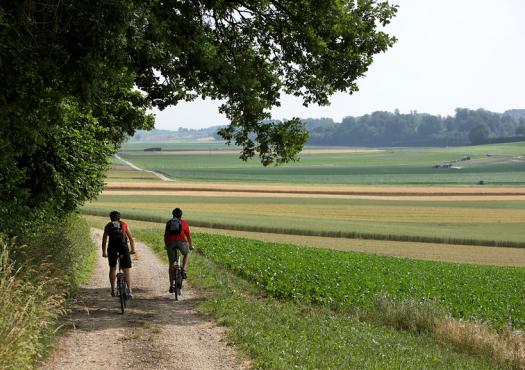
column 177, row 277
column 122, row 286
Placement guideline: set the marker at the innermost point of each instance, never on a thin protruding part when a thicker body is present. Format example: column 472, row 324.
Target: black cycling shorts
column 125, row 258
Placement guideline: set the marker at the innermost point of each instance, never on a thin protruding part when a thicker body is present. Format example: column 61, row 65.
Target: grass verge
column 39, row 271
column 281, row 334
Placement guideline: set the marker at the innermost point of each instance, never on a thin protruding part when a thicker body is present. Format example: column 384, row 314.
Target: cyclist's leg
column 125, row 263
column 185, row 260
column 184, row 248
column 127, row 276
column 112, row 260
column 112, row 276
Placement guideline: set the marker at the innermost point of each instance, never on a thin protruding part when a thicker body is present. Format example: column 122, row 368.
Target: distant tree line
column 419, row 129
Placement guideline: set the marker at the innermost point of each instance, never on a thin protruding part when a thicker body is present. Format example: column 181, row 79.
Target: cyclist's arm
column 166, row 235
column 131, row 241
column 104, row 241
column 188, row 236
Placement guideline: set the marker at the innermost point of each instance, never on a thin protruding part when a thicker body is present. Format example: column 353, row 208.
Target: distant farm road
column 159, row 175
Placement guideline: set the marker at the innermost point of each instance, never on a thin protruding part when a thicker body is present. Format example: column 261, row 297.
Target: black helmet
column 177, row 212
column 114, row 216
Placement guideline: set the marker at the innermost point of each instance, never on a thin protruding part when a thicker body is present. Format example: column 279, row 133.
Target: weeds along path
column 156, row 332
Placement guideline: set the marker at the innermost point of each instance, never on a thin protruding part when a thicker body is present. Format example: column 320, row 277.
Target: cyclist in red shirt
column 119, row 234
column 177, row 237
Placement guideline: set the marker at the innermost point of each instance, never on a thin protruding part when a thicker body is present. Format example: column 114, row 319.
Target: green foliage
column 478, row 134
column 38, row 272
column 277, row 334
column 346, row 280
column 94, row 55
column 520, row 130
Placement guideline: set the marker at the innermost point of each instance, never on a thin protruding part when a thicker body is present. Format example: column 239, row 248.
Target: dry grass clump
column 506, row 348
column 410, row 315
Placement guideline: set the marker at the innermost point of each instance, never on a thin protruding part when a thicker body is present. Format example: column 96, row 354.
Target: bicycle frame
column 177, row 281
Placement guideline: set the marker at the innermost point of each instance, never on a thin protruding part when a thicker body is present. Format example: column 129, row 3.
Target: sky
column 449, row 54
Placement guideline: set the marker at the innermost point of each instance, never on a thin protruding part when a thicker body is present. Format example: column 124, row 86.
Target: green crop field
column 176, row 145
column 505, row 165
column 350, row 280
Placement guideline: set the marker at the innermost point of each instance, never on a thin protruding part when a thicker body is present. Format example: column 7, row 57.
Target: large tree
column 78, row 76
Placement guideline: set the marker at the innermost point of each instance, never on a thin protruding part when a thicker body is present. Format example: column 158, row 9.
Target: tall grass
column 331, row 234
column 38, row 272
column 29, row 306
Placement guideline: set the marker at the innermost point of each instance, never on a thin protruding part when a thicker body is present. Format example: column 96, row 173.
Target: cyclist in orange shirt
column 177, row 237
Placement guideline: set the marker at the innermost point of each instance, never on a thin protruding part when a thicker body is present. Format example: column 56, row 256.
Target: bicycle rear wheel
column 121, row 293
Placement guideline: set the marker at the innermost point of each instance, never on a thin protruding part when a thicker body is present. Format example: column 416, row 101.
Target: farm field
column 487, row 215
column 497, row 164
column 476, row 220
column 471, row 254
column 176, row 145
column 352, row 280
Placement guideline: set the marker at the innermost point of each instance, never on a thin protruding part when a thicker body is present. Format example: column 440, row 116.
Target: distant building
column 153, row 149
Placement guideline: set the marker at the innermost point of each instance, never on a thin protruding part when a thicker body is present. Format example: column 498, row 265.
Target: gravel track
column 156, row 332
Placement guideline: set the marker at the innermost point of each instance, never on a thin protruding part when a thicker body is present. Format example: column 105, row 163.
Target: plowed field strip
column 317, row 190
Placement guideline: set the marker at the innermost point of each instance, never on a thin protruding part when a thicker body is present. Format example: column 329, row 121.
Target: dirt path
column 156, row 332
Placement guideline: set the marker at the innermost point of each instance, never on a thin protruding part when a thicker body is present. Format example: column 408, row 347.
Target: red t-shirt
column 184, row 233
